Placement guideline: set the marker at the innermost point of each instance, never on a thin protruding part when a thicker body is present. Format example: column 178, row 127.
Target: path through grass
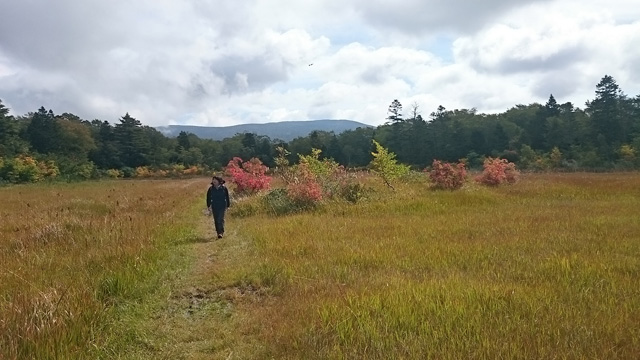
column 548, row 268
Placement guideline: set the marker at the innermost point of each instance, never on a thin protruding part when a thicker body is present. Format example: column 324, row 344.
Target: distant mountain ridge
column 284, row 130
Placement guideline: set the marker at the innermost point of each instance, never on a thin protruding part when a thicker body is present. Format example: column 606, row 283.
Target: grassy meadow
column 545, row 269
column 75, row 256
column 548, row 268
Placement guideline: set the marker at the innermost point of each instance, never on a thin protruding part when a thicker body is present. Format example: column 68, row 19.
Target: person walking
column 217, row 202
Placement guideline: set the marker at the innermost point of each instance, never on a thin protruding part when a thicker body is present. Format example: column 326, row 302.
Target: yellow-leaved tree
column 386, row 166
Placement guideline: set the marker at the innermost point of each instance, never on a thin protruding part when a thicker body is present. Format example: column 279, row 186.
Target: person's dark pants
column 218, row 220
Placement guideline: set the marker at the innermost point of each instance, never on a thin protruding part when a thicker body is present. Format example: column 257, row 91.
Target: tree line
column 603, row 135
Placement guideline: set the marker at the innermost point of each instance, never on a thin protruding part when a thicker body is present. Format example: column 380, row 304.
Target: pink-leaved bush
column 447, row 176
column 497, row 172
column 249, row 176
column 304, row 189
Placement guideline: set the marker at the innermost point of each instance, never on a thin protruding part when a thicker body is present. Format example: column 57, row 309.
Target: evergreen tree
column 479, row 142
column 183, row 140
column 334, row 150
column 500, row 138
column 133, row 146
column 161, row 148
column 416, row 145
column 10, row 142
column 606, row 115
column 537, row 129
column 394, row 112
column 438, row 135
column 551, row 108
column 43, row 132
column 355, row 146
column 107, row 154
column 265, row 150
column 316, row 139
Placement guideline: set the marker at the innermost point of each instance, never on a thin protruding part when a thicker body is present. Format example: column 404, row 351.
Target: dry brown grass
column 70, row 253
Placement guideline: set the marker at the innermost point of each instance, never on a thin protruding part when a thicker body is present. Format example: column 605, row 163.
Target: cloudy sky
column 211, row 62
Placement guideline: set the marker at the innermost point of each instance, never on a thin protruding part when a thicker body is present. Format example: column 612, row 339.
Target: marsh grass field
column 76, row 256
column 548, row 268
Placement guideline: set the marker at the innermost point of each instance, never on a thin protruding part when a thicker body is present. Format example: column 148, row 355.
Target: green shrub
column 353, row 192
column 278, row 202
column 322, row 169
column 246, row 207
column 85, row 170
column 128, row 172
column 25, row 169
column 114, row 173
column 385, row 165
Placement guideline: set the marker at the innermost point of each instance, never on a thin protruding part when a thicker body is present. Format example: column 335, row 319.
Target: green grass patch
column 547, row 268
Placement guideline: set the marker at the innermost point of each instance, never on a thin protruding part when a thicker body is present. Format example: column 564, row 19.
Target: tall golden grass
column 70, row 253
column 548, row 268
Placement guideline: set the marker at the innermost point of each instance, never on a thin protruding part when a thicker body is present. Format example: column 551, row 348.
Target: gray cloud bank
column 219, row 62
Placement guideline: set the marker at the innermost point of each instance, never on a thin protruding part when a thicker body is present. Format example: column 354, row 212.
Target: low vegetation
column 497, row 172
column 447, row 176
column 324, row 263
column 544, row 269
column 75, row 257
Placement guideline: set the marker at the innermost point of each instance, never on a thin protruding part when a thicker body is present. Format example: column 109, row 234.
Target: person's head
column 217, row 181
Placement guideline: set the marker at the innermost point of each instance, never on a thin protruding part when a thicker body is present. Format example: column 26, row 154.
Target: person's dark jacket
column 218, row 198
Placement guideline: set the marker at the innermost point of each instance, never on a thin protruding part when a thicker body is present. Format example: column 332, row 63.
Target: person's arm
column 226, row 193
column 209, row 198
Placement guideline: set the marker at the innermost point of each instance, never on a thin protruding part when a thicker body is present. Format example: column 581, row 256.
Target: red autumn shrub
column 249, row 176
column 497, row 172
column 447, row 176
column 304, row 189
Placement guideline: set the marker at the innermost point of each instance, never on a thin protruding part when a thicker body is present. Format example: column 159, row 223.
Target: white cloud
column 564, row 48
column 214, row 62
column 282, row 114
